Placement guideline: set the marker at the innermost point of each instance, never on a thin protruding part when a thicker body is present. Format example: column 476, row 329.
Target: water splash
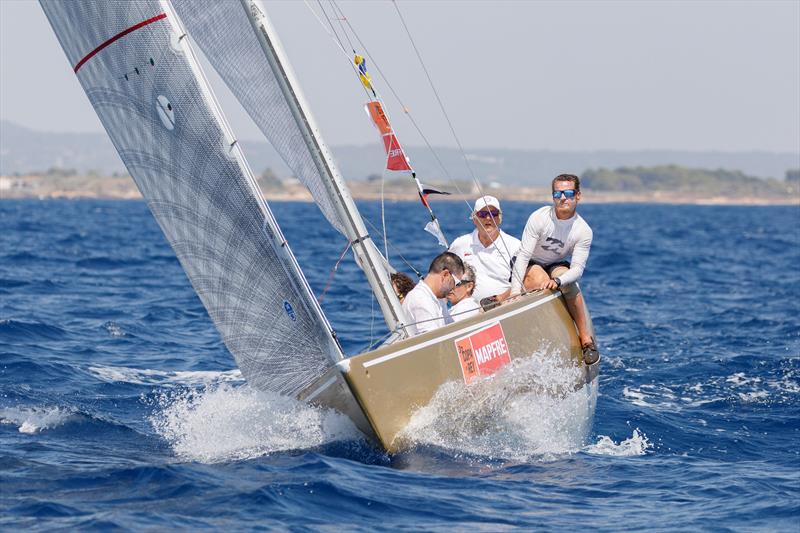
column 224, row 423
column 637, row 444
column 147, row 376
column 33, row 420
column 528, row 409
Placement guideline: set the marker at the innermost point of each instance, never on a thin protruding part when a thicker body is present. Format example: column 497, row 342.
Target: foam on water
column 32, row 420
column 735, row 387
column 225, row 422
column 147, row 376
column 637, row 444
column 528, row 409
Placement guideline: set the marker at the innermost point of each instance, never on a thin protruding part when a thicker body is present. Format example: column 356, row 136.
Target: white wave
column 224, row 423
column 146, row 376
column 113, row 329
column 739, row 379
column 657, row 397
column 528, row 409
column 637, row 444
column 786, row 384
column 32, row 420
column 755, row 396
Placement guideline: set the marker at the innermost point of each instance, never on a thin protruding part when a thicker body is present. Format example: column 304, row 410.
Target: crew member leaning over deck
column 425, row 305
column 553, row 234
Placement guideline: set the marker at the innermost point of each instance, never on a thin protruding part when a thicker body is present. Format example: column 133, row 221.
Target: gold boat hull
column 381, row 389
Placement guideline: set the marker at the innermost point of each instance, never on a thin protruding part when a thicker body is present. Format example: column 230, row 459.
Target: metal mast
column 367, row 254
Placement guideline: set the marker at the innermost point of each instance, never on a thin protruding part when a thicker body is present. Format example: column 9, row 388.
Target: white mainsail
column 239, row 41
column 140, row 74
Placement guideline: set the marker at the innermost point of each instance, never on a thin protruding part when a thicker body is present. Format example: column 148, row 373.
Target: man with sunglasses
column 553, row 234
column 488, row 249
column 425, row 305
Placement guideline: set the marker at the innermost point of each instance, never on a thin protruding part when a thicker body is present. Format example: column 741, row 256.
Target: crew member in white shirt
column 463, row 305
column 553, row 234
column 488, row 249
column 425, row 305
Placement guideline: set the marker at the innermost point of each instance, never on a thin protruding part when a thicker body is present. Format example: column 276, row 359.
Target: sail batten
column 151, row 96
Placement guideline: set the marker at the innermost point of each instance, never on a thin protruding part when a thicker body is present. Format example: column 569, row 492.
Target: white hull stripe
column 321, row 388
column 459, row 332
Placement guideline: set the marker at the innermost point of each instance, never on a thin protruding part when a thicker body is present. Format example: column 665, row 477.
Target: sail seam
column 118, row 36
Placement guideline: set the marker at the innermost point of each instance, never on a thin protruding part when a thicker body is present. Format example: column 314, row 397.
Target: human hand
column 549, row 284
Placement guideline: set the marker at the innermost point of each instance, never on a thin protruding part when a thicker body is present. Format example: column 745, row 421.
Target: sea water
column 121, row 408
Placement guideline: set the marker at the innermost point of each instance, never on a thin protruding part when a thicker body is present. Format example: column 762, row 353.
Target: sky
column 569, row 75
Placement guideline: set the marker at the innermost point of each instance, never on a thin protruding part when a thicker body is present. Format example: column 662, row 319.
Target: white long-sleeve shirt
column 548, row 239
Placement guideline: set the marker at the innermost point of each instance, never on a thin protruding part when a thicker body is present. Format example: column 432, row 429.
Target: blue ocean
column 120, row 407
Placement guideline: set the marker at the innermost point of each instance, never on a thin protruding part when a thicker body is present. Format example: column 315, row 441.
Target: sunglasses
column 455, row 278
column 485, row 214
column 568, row 194
column 464, row 282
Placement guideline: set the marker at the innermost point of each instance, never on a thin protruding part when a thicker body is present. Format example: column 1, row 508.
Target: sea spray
column 225, row 422
column 530, row 408
column 164, row 378
column 637, row 444
column 33, row 420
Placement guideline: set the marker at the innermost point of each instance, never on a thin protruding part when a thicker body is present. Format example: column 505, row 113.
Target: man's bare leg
column 535, row 278
column 577, row 310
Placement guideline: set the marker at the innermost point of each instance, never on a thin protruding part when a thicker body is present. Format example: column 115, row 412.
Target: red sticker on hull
column 482, row 353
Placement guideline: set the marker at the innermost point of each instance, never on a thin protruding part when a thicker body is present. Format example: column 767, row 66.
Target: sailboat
column 136, row 62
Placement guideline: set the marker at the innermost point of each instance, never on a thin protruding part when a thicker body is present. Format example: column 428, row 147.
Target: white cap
column 486, row 201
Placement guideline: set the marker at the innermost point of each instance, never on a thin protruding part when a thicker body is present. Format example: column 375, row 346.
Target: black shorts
column 547, row 268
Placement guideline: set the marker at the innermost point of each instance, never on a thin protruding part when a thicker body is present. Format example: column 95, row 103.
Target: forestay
column 145, row 84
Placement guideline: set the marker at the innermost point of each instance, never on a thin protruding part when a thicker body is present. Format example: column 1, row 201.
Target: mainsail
column 140, row 74
column 240, row 43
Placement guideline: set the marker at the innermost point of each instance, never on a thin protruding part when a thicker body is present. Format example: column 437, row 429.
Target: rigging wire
column 334, row 35
column 333, row 273
column 405, row 108
column 395, row 250
column 341, row 18
column 447, row 118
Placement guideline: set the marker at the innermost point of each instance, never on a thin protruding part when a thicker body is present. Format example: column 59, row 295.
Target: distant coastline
column 49, row 186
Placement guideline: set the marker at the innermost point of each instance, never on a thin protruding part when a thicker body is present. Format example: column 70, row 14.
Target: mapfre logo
column 482, row 353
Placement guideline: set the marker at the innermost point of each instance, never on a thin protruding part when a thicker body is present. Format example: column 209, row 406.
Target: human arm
column 530, row 237
column 580, row 256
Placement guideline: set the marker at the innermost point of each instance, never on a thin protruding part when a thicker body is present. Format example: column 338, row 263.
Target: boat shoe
column 590, row 353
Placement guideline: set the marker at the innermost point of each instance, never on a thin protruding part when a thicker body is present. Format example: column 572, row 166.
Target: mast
column 367, row 255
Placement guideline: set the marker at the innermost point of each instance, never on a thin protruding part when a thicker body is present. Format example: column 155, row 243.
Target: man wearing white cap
column 488, row 249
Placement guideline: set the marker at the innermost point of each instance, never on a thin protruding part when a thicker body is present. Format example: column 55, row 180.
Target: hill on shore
column 666, row 184
column 24, row 151
column 672, row 178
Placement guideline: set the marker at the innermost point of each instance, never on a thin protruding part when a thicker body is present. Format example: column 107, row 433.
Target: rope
column 395, row 250
column 406, row 110
column 333, row 273
column 449, row 122
column 333, row 35
column 341, row 18
column 374, row 96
